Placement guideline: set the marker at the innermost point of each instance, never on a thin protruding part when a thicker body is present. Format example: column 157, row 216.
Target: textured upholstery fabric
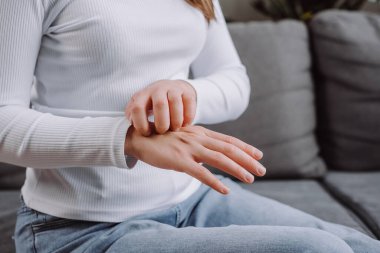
column 360, row 191
column 9, row 202
column 308, row 196
column 11, row 177
column 347, row 52
column 280, row 119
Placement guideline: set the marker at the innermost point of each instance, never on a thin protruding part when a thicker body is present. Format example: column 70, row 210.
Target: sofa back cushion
column 347, row 54
column 280, row 119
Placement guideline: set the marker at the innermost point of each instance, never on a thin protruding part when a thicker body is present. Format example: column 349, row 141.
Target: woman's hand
column 184, row 149
column 173, row 103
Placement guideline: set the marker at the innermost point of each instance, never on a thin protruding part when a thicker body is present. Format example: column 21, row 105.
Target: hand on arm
column 222, row 92
column 173, row 103
column 191, row 145
column 220, row 82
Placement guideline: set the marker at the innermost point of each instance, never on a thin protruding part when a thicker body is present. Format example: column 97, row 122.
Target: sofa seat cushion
column 360, row 191
column 9, row 202
column 310, row 197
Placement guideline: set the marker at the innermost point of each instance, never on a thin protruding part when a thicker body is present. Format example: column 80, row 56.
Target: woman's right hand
column 185, row 148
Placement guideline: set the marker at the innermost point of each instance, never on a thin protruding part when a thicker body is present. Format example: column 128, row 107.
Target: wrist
column 128, row 145
column 130, row 157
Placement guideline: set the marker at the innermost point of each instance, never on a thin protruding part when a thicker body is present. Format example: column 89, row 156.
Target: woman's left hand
column 173, row 103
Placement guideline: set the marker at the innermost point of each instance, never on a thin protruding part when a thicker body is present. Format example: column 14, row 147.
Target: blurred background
column 243, row 10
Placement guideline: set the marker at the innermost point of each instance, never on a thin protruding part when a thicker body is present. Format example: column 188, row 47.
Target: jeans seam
column 178, row 211
column 34, row 239
column 33, row 232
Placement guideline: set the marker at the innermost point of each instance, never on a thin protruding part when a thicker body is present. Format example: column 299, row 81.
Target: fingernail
column 225, row 190
column 262, row 170
column 260, row 154
column 249, row 177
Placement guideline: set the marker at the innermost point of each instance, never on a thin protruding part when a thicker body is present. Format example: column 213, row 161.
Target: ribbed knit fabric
column 78, row 63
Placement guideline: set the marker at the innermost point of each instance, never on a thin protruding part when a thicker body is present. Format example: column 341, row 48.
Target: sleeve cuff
column 198, row 86
column 131, row 161
column 122, row 160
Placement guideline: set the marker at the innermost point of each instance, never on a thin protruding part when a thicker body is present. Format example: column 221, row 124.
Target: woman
column 101, row 177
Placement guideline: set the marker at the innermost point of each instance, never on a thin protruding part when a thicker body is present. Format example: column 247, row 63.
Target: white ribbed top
column 88, row 58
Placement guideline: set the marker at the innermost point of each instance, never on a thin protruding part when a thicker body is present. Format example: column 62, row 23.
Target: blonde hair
column 206, row 6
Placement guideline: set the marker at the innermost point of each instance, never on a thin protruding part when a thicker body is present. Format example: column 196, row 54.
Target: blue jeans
column 207, row 221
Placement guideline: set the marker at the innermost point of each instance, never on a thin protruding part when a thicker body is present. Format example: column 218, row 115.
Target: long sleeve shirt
column 67, row 71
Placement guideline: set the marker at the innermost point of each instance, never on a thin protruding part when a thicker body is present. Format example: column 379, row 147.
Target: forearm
column 32, row 139
column 222, row 96
column 220, row 79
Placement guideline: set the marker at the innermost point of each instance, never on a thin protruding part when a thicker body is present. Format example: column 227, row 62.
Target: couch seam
column 345, row 202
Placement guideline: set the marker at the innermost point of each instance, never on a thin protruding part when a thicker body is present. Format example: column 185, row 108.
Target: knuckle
column 161, row 129
column 189, row 96
column 138, row 97
column 176, row 124
column 199, row 128
column 217, row 157
column 174, row 98
column 214, row 183
column 135, row 96
column 184, row 138
column 235, row 168
column 248, row 148
column 203, row 173
column 137, row 109
column 242, row 174
column 229, row 149
column 230, row 139
column 159, row 104
column 141, row 129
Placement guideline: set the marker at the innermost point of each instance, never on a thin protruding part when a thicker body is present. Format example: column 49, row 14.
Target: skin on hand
column 173, row 103
column 192, row 145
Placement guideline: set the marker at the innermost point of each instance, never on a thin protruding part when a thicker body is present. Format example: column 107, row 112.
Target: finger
column 161, row 112
column 205, row 176
column 127, row 110
column 176, row 109
column 223, row 163
column 139, row 115
column 189, row 108
column 250, row 150
column 235, row 154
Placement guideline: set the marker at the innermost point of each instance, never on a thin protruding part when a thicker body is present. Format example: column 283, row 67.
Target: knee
column 318, row 241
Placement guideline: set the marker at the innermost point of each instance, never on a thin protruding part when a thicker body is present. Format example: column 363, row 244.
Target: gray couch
column 315, row 112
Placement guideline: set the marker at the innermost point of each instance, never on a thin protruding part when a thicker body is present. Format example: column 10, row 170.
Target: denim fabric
column 207, row 221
